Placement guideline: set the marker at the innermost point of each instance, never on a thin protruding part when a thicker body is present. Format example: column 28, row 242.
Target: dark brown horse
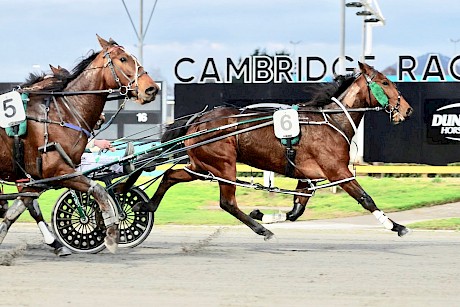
column 61, row 112
column 321, row 153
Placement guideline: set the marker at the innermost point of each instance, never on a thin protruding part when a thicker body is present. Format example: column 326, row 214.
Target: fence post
column 269, row 179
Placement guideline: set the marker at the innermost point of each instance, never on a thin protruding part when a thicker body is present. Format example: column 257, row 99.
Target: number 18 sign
column 11, row 109
column 286, row 123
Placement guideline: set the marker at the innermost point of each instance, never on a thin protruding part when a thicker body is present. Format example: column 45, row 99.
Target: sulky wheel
column 134, row 226
column 80, row 228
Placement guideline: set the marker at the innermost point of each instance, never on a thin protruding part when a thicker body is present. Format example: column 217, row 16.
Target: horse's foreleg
column 354, row 189
column 170, row 178
column 110, row 217
column 100, row 195
column 48, row 236
column 228, row 203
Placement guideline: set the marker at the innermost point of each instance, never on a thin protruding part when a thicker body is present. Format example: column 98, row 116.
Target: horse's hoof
column 268, row 235
column 256, row 214
column 62, row 251
column 111, row 239
column 404, row 231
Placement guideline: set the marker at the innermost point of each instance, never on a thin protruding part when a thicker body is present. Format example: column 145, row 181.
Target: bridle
column 123, row 89
column 380, row 96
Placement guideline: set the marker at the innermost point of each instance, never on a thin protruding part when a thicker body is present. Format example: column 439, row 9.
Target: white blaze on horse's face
column 132, row 75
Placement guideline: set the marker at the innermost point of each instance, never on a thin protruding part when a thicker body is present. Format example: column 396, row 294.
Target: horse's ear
column 103, row 42
column 364, row 67
column 112, row 42
column 54, row 69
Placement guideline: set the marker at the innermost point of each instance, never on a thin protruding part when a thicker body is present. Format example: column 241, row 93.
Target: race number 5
column 11, row 109
column 286, row 123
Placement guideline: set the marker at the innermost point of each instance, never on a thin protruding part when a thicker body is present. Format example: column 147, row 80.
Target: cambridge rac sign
column 282, row 68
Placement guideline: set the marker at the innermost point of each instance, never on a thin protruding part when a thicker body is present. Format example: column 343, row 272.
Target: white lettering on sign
column 11, row 109
column 449, row 123
column 286, row 123
column 142, row 117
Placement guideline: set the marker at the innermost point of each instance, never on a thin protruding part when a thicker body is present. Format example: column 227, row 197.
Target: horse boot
column 11, row 215
column 16, row 209
column 49, row 238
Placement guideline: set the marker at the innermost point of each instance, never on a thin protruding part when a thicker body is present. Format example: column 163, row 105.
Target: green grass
column 198, row 202
column 444, row 224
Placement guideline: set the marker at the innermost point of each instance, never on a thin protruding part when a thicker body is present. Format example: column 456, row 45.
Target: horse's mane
column 59, row 81
column 322, row 93
column 78, row 69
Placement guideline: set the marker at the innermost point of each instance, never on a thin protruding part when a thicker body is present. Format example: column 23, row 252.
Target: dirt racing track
column 334, row 263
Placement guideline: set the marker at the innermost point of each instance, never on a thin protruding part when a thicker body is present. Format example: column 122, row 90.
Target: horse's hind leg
column 298, row 208
column 10, row 216
column 228, row 203
column 354, row 189
column 170, row 178
column 48, row 236
column 17, row 208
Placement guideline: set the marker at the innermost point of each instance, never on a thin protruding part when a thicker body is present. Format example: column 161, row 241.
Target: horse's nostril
column 151, row 90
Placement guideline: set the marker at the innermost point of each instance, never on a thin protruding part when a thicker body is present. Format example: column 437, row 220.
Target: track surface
column 231, row 266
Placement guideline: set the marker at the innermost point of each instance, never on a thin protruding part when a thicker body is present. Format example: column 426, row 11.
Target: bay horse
column 322, row 151
column 61, row 112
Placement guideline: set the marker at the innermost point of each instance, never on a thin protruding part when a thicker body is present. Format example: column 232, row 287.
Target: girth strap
column 18, row 155
column 290, row 159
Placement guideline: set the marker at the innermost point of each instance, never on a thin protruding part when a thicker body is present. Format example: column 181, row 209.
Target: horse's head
column 382, row 92
column 124, row 71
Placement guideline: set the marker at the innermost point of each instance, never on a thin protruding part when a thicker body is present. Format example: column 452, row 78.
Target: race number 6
column 286, row 123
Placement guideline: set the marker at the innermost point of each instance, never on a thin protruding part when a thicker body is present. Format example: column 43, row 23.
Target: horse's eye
column 123, row 59
column 385, row 83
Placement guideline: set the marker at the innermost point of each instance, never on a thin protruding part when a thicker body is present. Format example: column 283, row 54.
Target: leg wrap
column 110, row 217
column 15, row 210
column 383, row 219
column 3, row 231
column 47, row 235
column 109, row 214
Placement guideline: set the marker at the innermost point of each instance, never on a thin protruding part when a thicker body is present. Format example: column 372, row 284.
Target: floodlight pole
column 342, row 38
column 372, row 16
column 141, row 34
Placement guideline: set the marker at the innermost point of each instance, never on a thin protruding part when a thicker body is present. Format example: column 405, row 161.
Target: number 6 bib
column 286, row 123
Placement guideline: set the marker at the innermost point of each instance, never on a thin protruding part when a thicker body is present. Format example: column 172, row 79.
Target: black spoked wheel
column 134, row 226
column 80, row 228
